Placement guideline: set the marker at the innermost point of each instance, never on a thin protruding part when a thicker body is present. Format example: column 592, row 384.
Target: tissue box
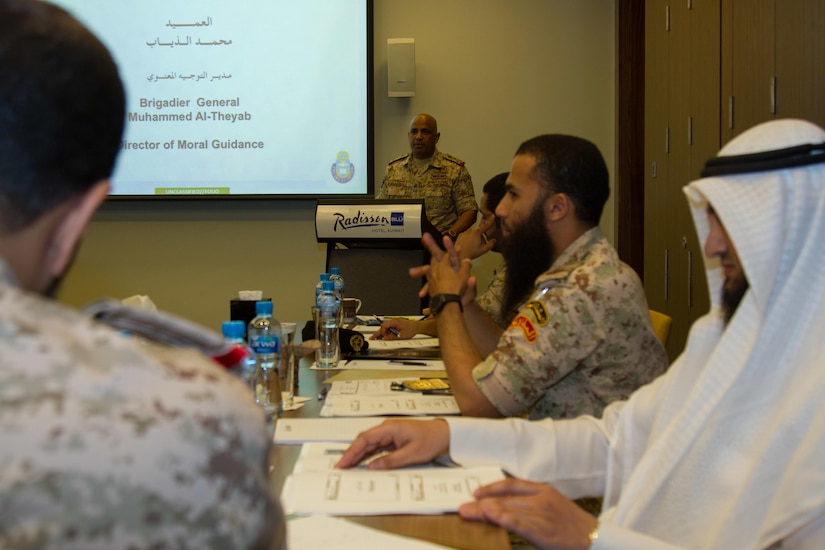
column 243, row 310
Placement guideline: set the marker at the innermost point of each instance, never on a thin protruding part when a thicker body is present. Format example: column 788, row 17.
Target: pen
column 409, row 363
column 394, row 332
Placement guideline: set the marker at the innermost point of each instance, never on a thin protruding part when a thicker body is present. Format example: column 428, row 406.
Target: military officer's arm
column 465, row 221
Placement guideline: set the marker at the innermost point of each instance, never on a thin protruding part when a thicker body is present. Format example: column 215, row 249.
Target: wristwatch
column 438, row 302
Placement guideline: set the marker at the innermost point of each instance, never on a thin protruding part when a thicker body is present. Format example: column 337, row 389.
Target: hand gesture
column 408, row 442
column 474, row 242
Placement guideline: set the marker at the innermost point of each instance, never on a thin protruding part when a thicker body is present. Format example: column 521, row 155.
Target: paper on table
column 302, row 430
column 373, row 386
column 387, row 364
column 323, row 456
column 402, row 403
column 426, row 342
column 297, row 402
column 319, row 457
column 331, row 532
column 368, row 492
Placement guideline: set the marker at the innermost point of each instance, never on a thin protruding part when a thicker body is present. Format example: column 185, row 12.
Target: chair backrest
column 661, row 325
column 380, row 278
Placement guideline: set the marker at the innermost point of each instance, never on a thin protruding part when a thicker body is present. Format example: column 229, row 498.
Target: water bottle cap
column 335, row 271
column 233, row 329
column 263, row 308
column 324, row 277
column 329, row 286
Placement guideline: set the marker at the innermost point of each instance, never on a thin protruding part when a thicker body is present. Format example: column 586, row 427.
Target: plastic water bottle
column 319, row 287
column 335, row 276
column 235, row 332
column 329, row 315
column 265, row 340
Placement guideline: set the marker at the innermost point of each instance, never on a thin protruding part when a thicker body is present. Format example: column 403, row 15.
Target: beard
column 528, row 252
column 732, row 293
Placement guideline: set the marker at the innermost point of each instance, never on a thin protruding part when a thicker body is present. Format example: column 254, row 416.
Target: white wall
column 493, row 72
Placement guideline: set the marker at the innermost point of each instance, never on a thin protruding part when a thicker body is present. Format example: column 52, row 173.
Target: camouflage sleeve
column 382, row 193
column 464, row 196
column 491, row 300
column 111, row 443
column 551, row 335
column 396, row 184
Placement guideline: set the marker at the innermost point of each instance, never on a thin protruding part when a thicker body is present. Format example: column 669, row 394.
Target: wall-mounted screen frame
column 247, row 99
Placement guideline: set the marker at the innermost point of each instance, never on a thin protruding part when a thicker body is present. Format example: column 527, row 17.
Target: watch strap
column 438, row 302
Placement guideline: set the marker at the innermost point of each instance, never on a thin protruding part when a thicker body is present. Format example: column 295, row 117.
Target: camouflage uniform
column 491, row 299
column 108, row 442
column 445, row 185
column 582, row 340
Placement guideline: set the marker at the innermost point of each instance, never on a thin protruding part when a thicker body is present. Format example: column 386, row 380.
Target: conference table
column 446, row 529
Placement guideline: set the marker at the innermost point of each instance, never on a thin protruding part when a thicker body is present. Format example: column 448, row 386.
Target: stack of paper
column 316, row 488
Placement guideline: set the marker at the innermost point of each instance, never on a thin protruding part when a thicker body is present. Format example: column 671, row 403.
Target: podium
column 375, row 243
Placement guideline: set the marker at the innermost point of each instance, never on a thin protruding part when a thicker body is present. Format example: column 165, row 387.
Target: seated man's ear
column 558, row 206
column 72, row 225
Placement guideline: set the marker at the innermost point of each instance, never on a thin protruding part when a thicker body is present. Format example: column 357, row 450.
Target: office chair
column 661, row 325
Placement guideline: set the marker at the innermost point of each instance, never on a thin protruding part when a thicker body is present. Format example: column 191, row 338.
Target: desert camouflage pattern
column 492, row 298
column 445, row 185
column 110, row 442
column 582, row 340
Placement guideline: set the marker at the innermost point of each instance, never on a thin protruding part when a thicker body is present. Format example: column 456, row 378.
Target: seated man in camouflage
column 105, row 442
column 583, row 338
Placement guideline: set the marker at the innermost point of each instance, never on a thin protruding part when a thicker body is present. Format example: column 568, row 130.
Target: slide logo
column 342, row 169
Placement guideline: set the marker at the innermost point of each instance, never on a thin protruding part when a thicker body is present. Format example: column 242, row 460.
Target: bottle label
column 266, row 343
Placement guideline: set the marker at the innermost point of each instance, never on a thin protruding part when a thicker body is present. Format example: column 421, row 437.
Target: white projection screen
column 241, row 99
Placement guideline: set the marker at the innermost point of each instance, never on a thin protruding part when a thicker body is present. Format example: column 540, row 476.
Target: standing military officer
column 440, row 179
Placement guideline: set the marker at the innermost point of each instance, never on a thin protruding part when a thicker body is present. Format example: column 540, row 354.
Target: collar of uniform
column 571, row 257
column 436, row 160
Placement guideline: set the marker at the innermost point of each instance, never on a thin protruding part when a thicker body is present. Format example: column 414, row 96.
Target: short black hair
column 62, row 110
column 495, row 188
column 573, row 166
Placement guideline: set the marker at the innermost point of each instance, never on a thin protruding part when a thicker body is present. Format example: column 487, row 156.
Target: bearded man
column 583, row 337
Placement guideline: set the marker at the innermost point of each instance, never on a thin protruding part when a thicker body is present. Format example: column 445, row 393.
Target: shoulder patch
column 526, row 325
column 454, row 160
column 538, row 310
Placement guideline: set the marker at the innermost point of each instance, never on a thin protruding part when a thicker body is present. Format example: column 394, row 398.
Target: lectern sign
column 368, row 221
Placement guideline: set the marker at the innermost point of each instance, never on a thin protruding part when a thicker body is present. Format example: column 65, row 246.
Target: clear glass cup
column 289, row 367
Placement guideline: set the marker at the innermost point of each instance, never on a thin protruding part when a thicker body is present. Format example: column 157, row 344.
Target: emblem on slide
column 342, row 170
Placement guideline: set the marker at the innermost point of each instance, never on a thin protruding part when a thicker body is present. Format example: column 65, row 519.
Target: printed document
column 368, row 492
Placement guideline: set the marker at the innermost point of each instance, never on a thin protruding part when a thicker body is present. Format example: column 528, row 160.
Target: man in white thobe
column 725, row 450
